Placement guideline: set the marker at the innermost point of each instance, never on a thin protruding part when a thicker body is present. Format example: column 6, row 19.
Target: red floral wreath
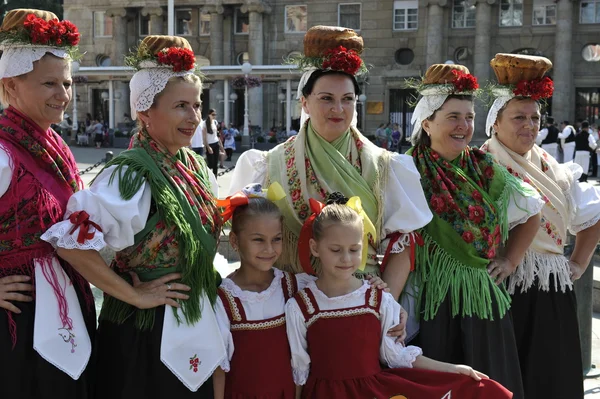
column 53, row 32
column 181, row 59
column 536, row 88
column 464, row 81
column 342, row 59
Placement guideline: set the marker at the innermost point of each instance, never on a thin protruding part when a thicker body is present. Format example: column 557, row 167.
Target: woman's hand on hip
column 161, row 291
column 575, row 270
column 11, row 288
column 500, row 268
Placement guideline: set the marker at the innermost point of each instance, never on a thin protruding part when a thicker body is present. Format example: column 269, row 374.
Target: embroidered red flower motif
column 536, row 88
column 477, row 196
column 438, row 204
column 491, row 254
column 342, row 59
column 464, row 81
column 181, row 59
column 489, row 172
column 476, row 213
column 468, row 237
column 53, row 32
column 296, row 195
column 559, row 241
column 194, row 363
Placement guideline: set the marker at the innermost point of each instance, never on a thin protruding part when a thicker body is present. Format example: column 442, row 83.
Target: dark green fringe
column 197, row 247
column 470, row 288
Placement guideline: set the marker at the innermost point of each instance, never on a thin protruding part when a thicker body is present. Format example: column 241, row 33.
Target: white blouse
column 394, row 355
column 405, row 207
column 119, row 219
column 257, row 306
column 584, row 201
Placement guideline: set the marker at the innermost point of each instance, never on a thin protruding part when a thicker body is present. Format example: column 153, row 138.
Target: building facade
column 402, row 38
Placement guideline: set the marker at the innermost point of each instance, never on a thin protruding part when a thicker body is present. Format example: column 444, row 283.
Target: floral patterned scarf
column 186, row 225
column 469, row 199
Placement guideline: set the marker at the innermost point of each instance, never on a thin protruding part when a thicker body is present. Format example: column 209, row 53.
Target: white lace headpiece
column 432, row 99
column 146, row 83
column 303, row 80
column 18, row 59
column 503, row 95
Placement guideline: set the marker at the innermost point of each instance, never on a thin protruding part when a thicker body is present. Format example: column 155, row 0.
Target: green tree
column 54, row 6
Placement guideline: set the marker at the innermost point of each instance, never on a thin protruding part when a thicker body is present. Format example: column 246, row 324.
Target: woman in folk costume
column 47, row 331
column 543, row 302
column 478, row 208
column 329, row 154
column 152, row 204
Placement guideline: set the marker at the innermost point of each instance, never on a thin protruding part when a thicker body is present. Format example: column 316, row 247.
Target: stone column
column 119, row 50
column 435, row 28
column 156, row 19
column 482, row 59
column 256, row 8
column 216, row 54
column 563, row 99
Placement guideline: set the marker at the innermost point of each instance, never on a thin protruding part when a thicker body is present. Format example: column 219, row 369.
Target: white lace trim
column 407, row 357
column 537, row 208
column 580, row 227
column 146, row 84
column 332, row 314
column 359, row 292
column 309, row 306
column 225, row 365
column 235, row 312
column 402, row 243
column 250, row 296
column 542, row 266
column 18, row 60
column 262, row 325
column 426, row 106
column 300, row 376
column 504, row 96
column 59, row 236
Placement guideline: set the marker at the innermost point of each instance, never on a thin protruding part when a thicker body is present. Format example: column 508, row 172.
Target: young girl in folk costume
column 335, row 326
column 250, row 306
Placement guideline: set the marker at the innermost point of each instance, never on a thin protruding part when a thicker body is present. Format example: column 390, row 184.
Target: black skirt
column 487, row 346
column 547, row 334
column 24, row 374
column 129, row 364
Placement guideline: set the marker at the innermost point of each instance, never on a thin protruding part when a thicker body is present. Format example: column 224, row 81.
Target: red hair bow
column 82, row 220
column 306, row 233
column 232, row 202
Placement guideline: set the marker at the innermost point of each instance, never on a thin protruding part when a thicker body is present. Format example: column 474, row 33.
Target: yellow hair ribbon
column 275, row 192
column 355, row 204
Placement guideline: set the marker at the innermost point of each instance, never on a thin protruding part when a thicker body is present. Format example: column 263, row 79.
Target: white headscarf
column 503, row 95
column 18, row 59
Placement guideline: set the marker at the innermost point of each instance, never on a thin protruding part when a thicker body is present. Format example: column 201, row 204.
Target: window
column 511, row 13
column 183, row 22
column 406, row 15
column 404, row 56
column 102, row 24
column 204, row 24
column 349, row 15
column 589, row 12
column 463, row 14
column 295, row 19
column 242, row 22
column 144, row 25
column 544, row 12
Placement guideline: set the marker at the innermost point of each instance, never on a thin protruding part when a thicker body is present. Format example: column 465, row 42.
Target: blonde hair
column 257, row 206
column 335, row 214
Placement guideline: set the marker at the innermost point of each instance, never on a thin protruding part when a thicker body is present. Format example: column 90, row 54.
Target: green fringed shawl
column 184, row 229
column 469, row 199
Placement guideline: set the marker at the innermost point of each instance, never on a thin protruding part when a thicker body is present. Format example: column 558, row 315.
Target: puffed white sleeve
column 585, row 202
column 524, row 203
column 395, row 355
column 119, row 219
column 225, row 329
column 251, row 167
column 406, row 208
column 6, row 171
column 296, row 332
column 302, row 279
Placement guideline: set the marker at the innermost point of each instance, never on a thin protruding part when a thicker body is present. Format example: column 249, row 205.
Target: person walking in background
column 584, row 146
column 548, row 138
column 396, row 138
column 211, row 141
column 567, row 140
column 198, row 140
column 228, row 143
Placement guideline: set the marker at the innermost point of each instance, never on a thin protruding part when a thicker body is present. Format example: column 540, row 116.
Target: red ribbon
column 82, row 220
column 230, row 203
column 306, row 233
column 415, row 238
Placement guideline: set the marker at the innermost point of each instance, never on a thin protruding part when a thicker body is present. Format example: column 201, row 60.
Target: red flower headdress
column 51, row 33
column 464, row 82
column 536, row 88
column 342, row 59
column 181, row 59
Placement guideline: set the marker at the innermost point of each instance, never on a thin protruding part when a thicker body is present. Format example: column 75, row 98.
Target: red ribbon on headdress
column 82, row 220
column 230, row 203
column 415, row 239
column 306, row 233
